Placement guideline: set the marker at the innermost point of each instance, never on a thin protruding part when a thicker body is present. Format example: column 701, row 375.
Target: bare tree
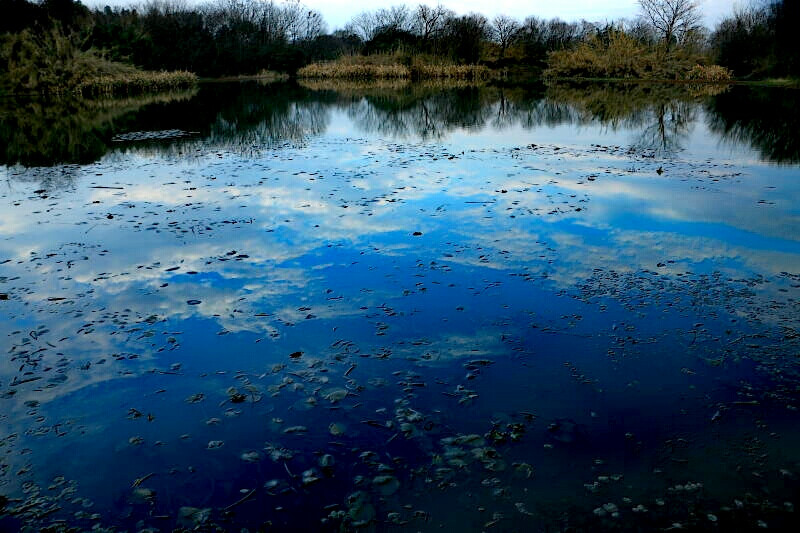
column 394, row 18
column 673, row 20
column 365, row 25
column 301, row 24
column 368, row 24
column 504, row 31
column 429, row 22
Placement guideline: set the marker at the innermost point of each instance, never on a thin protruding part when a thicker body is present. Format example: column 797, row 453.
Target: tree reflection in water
column 767, row 119
column 247, row 117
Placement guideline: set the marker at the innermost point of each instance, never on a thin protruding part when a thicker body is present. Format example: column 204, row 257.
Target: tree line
column 229, row 37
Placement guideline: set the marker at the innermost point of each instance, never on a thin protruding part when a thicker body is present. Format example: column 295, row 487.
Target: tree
column 504, row 31
column 465, row 35
column 673, row 20
column 365, row 25
column 429, row 22
column 396, row 18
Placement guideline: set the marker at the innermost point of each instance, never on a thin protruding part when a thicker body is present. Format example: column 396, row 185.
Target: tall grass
column 50, row 61
column 620, row 56
column 335, row 69
column 138, row 82
column 392, row 66
column 617, row 55
column 709, row 73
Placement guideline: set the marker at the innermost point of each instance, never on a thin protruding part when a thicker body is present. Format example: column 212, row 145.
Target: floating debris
column 192, row 517
column 251, row 457
column 386, row 484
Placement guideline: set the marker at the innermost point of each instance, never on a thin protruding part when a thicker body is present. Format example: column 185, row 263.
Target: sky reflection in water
column 555, row 308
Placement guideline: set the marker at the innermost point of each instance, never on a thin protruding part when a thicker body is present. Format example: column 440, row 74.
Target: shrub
column 709, row 73
column 52, row 62
column 392, row 66
column 138, row 82
column 617, row 55
column 335, row 69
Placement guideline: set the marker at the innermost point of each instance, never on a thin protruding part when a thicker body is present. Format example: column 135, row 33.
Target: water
column 401, row 307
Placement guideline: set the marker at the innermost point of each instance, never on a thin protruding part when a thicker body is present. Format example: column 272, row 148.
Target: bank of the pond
column 368, row 67
column 52, row 62
column 123, row 84
column 139, row 82
column 265, row 76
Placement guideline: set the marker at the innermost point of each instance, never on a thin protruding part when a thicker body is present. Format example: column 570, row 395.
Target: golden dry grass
column 51, row 61
column 391, row 67
column 714, row 73
column 138, row 82
column 339, row 70
column 620, row 56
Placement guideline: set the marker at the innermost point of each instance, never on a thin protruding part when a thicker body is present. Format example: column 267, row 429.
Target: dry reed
column 389, row 67
column 134, row 83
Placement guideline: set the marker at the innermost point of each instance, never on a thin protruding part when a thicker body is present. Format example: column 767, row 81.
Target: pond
column 401, row 307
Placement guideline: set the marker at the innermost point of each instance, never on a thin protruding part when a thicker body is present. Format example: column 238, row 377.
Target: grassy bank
column 265, row 77
column 617, row 55
column 135, row 83
column 52, row 62
column 392, row 66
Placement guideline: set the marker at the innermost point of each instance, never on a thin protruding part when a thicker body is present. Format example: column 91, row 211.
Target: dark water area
column 401, row 307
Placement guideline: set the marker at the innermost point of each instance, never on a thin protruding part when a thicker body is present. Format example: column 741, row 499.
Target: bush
column 709, row 73
column 52, row 62
column 138, row 82
column 392, row 66
column 618, row 55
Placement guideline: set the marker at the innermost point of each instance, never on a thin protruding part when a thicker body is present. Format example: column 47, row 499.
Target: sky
column 338, row 12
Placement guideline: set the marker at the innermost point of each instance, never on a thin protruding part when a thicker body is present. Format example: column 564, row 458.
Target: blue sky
column 338, row 12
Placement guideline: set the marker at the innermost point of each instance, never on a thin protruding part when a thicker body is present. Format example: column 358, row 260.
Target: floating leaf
column 195, row 398
column 335, row 395
column 310, row 476
column 235, row 396
column 193, row 517
column 251, row 457
column 386, row 485
column 360, row 510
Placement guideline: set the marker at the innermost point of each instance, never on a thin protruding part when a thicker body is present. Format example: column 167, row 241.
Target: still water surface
column 402, row 308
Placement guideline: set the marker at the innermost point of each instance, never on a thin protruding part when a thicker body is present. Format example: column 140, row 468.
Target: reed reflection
column 246, row 118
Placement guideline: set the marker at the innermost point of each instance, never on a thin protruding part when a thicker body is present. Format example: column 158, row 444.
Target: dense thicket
column 228, row 37
column 761, row 40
